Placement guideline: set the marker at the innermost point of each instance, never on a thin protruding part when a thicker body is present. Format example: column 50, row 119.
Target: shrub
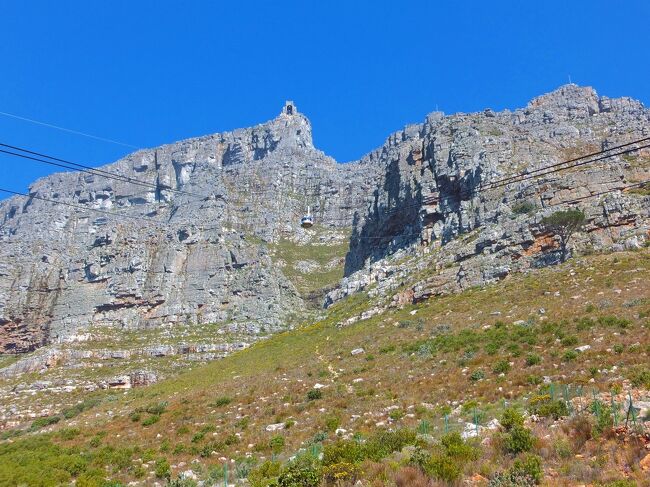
column 341, row 472
column 523, row 207
column 613, row 322
column 304, row 471
column 220, row 402
column 604, row 420
column 501, row 367
column 314, row 394
column 343, row 451
column 569, row 341
column 509, row 479
column 640, row 378
column 162, row 469
column 332, row 422
column 510, row 418
column 477, row 375
column 77, row 409
column 533, row 359
column 396, row 414
column 153, row 419
column 569, row 355
column 157, row 409
column 529, row 466
column 458, row 448
column 277, row 443
column 443, row 468
column 543, row 406
column 69, row 433
column 43, row 422
column 618, row 349
column 519, row 439
column 263, row 475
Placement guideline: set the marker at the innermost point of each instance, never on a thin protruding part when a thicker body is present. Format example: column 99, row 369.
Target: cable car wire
column 83, row 168
column 76, row 132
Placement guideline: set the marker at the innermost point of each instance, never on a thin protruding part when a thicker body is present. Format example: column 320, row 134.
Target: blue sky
column 151, row 72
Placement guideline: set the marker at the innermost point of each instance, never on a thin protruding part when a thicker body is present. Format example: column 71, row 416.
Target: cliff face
column 186, row 250
column 434, row 186
column 198, row 246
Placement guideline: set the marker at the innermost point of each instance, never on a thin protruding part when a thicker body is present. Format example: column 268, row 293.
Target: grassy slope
column 402, row 367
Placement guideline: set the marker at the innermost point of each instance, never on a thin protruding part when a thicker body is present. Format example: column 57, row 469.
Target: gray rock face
column 433, row 193
column 183, row 250
column 189, row 248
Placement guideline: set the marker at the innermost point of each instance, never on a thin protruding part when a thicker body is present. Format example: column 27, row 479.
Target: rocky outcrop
column 434, row 193
column 186, row 227
column 185, row 246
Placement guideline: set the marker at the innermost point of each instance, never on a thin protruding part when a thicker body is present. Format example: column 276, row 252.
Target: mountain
column 430, row 294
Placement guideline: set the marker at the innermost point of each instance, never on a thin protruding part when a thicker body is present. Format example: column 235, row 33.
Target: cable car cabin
column 307, row 221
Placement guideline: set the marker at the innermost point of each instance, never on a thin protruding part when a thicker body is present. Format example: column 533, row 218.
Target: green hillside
column 553, row 355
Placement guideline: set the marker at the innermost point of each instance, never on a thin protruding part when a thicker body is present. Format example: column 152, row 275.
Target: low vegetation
column 524, row 382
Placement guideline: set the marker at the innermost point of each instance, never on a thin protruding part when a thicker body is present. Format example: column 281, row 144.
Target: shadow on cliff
column 389, row 226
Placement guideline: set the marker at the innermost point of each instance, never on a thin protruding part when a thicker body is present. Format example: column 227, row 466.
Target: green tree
column 564, row 224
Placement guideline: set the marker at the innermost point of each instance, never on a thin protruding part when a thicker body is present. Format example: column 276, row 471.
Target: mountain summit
column 207, row 230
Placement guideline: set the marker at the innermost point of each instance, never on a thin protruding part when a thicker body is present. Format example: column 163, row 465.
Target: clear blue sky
column 152, row 72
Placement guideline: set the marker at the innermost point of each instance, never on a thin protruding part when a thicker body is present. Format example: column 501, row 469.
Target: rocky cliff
column 213, row 235
column 184, row 248
column 436, row 184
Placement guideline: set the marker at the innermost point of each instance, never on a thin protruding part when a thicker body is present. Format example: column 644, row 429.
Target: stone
column 582, row 348
column 357, row 351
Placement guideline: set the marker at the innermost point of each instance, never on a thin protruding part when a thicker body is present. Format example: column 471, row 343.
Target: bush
column 77, row 409
column 376, row 448
column 569, row 341
column 341, row 472
column 43, row 422
column 442, row 467
column 277, row 443
column 220, row 402
column 304, row 471
column 314, row 394
column 69, row 433
column 519, row 439
column 570, row 355
column 263, row 475
column 477, row 375
column 640, row 378
column 384, row 443
column 153, row 419
column 162, row 469
column 501, row 367
column 543, row 406
column 457, row 448
column 343, row 451
column 332, row 422
column 523, row 207
column 529, row 466
column 510, row 418
column 396, row 414
column 509, row 479
column 533, row 359
column 604, row 420
column 157, row 409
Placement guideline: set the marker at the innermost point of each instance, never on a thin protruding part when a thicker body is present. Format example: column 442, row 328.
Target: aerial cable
column 91, row 170
column 80, row 207
column 76, row 132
